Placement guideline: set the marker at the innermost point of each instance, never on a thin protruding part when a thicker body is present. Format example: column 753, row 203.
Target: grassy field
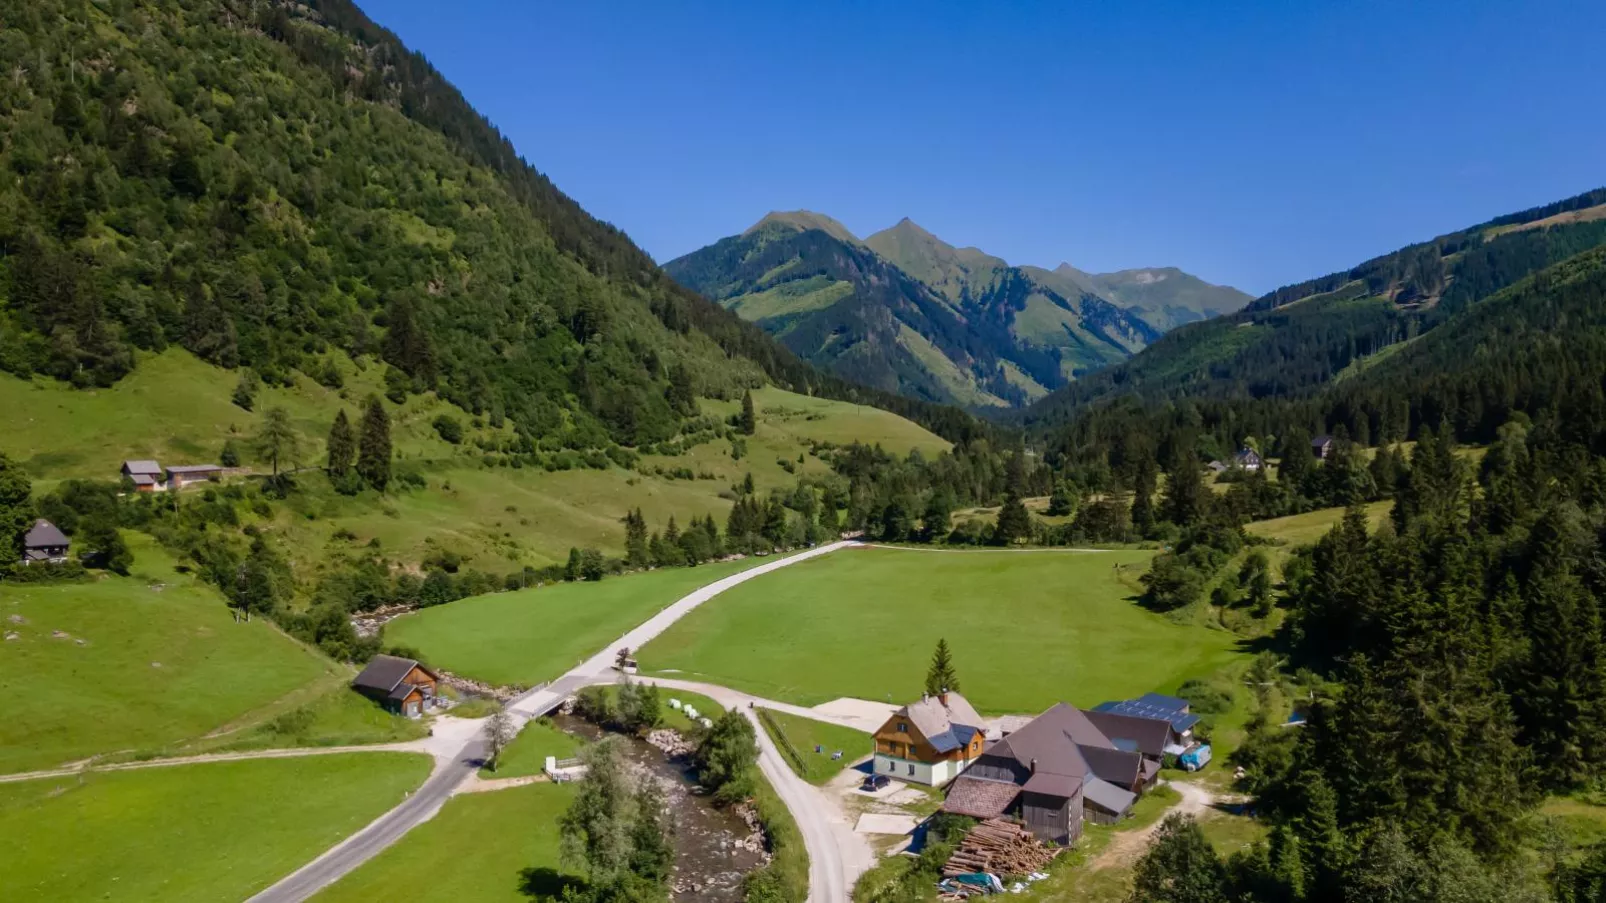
column 526, row 755
column 134, row 663
column 814, row 742
column 533, row 635
column 339, row 717
column 1027, row 630
column 482, row 847
column 706, row 708
column 218, row 831
column 1304, row 529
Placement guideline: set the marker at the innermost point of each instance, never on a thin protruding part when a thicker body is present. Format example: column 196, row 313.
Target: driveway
column 453, row 768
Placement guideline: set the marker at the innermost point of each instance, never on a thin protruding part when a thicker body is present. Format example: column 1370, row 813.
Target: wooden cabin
column 401, row 685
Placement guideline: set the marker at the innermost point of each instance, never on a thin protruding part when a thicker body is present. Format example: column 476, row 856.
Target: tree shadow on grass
column 543, row 883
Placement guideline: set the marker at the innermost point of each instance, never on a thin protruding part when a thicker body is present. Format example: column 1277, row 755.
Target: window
column 911, row 769
column 903, row 728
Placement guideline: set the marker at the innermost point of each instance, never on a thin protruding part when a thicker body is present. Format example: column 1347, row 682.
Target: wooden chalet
column 145, row 475
column 401, row 685
column 930, row 741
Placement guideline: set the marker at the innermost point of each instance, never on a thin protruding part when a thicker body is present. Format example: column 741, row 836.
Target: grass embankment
column 484, row 847
column 526, row 755
column 788, row 871
column 1026, row 629
column 134, row 663
column 216, row 831
column 533, row 635
column 807, row 745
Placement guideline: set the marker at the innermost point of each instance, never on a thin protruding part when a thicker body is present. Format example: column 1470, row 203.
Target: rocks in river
column 754, row 841
column 671, row 743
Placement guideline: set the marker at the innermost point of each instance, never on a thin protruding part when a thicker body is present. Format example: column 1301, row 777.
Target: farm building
column 1321, row 446
column 1156, row 706
column 1247, row 459
column 145, row 475
column 399, row 684
column 930, row 741
column 44, row 544
column 1052, row 774
column 182, row 475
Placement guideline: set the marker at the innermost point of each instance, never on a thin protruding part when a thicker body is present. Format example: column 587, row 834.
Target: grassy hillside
column 130, row 663
column 177, row 409
column 1027, row 630
column 218, row 831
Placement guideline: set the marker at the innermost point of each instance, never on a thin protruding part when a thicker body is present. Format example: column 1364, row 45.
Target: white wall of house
column 916, row 772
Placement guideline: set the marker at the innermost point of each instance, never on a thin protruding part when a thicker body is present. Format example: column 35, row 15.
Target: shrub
column 447, row 427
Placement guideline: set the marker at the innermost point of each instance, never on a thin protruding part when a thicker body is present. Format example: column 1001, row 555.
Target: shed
column 44, row 544
column 1104, row 803
column 145, row 475
column 181, row 475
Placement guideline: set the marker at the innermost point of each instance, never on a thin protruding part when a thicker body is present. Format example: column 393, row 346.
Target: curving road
column 450, row 772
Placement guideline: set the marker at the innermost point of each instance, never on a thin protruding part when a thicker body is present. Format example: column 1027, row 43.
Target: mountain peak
column 802, row 221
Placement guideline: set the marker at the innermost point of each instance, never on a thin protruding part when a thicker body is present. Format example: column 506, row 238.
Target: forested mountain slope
column 1300, row 338
column 262, row 183
column 905, row 311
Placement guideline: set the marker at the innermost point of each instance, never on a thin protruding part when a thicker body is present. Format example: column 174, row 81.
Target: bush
column 447, row 427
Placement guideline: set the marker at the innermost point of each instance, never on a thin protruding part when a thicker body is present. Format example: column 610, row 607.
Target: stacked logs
column 1000, row 847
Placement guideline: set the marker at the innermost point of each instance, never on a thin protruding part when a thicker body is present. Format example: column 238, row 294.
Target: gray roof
column 953, row 738
column 1107, row 796
column 142, row 467
column 934, row 718
column 1061, row 785
column 385, row 673
column 1117, row 766
column 44, row 535
column 1051, row 741
column 193, row 468
column 1141, row 708
column 1147, row 735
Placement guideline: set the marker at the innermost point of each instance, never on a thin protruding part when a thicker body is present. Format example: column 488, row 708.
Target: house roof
column 386, row 673
column 1009, row 724
column 1247, row 454
column 1138, row 708
column 979, row 797
column 142, row 467
column 1174, row 703
column 934, row 717
column 1147, row 735
column 44, row 535
column 1118, row 766
column 1322, row 440
column 1051, row 741
column 1107, row 796
column 1061, row 785
column 955, row 737
column 193, row 468
column 143, row 479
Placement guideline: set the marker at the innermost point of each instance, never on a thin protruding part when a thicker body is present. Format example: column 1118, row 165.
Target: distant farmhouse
column 930, row 741
column 1321, row 446
column 401, row 685
column 44, row 544
column 1247, row 459
column 149, row 476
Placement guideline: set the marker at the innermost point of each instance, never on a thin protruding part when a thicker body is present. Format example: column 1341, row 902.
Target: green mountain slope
column 1165, row 297
column 266, row 183
column 904, row 311
column 1298, row 339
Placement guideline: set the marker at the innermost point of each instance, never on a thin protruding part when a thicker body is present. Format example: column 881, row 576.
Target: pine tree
column 276, row 440
column 571, row 571
column 1014, row 521
column 940, row 677
column 1180, row 866
column 749, row 422
column 1186, row 498
column 342, row 446
column 373, row 452
column 1143, row 488
column 635, row 539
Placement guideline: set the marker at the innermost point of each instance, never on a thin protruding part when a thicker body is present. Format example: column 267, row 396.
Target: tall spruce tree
column 749, row 421
column 941, row 677
column 373, row 451
column 1186, row 498
column 1143, row 488
column 636, row 551
column 1014, row 521
column 276, row 441
column 342, row 446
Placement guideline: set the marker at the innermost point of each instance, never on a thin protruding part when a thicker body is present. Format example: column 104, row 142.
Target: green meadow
column 134, row 663
column 482, row 847
column 797, row 737
column 532, row 635
column 526, row 755
column 1027, row 629
column 215, row 831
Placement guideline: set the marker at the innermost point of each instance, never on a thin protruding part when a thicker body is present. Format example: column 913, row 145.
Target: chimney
column 944, row 697
column 1034, row 766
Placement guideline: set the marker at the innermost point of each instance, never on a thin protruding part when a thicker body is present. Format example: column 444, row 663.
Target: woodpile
column 1002, row 848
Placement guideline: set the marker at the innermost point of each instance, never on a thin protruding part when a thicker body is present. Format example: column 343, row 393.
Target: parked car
column 875, row 782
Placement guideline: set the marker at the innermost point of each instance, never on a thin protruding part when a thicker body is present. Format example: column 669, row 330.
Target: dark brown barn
column 401, row 685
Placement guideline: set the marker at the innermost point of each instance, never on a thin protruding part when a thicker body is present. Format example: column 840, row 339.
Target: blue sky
column 1257, row 144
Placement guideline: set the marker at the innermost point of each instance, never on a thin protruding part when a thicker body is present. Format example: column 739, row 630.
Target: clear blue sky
column 1256, row 146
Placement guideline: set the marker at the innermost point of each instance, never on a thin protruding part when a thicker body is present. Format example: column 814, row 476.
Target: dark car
column 875, row 782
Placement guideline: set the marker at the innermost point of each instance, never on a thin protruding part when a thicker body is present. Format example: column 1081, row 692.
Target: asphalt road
column 422, row 805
